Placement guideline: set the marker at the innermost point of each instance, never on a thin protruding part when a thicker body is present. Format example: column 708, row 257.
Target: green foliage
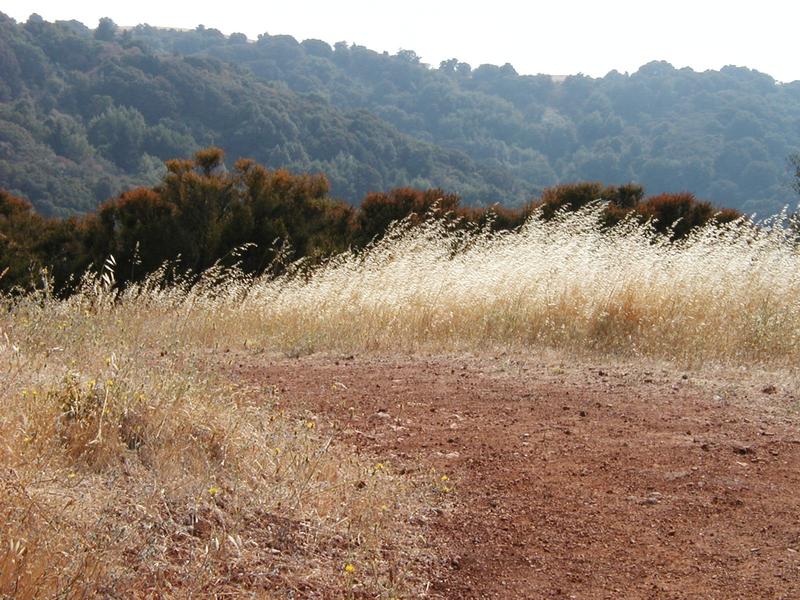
column 87, row 112
column 106, row 30
column 86, row 115
column 722, row 134
column 67, row 137
column 118, row 134
column 794, row 165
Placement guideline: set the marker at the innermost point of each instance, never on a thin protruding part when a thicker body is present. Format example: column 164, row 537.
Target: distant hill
column 85, row 114
column 83, row 118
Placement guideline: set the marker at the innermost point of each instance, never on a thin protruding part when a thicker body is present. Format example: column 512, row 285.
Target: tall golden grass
column 127, row 463
column 728, row 294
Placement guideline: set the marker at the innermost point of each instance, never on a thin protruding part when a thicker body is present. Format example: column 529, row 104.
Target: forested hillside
column 84, row 117
column 86, row 114
column 724, row 135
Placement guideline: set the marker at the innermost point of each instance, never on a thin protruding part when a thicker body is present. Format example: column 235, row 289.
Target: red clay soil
column 579, row 482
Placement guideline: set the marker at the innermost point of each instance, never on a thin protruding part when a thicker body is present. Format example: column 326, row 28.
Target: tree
column 19, row 226
column 118, row 133
column 237, row 38
column 448, row 66
column 794, row 164
column 794, row 219
column 67, row 136
column 106, row 30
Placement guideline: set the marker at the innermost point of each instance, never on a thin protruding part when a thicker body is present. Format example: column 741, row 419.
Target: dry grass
column 727, row 294
column 128, row 469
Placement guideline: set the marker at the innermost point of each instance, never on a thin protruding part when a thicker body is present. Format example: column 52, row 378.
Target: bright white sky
column 558, row 37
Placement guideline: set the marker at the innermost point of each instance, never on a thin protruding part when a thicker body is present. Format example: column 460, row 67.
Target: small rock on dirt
column 674, row 475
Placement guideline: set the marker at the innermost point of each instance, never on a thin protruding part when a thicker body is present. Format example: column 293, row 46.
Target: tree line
column 200, row 214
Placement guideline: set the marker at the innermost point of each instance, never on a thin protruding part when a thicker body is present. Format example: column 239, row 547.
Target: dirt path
column 579, row 482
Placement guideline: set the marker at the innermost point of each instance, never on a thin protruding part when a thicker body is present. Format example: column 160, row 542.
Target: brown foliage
column 573, row 196
column 20, row 230
column 201, row 212
column 676, row 214
column 380, row 209
column 673, row 214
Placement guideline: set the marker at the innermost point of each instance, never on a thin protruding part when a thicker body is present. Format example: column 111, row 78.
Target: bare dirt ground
column 578, row 481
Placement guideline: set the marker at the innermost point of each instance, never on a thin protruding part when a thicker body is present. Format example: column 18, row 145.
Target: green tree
column 106, row 30
column 119, row 133
column 794, row 165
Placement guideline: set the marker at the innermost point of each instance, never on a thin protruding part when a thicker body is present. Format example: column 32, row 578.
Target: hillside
column 723, row 135
column 85, row 114
column 227, row 378
column 83, row 118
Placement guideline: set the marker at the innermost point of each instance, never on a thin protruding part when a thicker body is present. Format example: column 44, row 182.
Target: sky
column 557, row 37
